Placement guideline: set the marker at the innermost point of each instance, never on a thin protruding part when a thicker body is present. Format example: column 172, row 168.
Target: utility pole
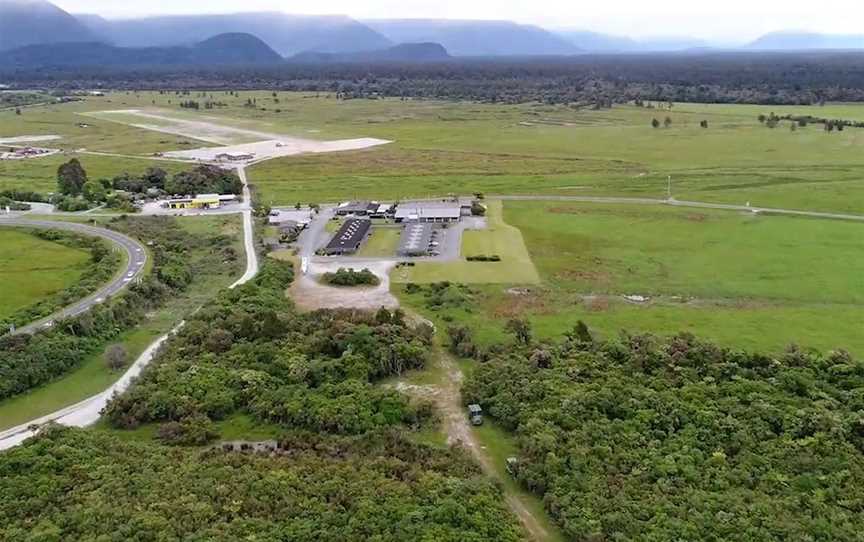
column 669, row 188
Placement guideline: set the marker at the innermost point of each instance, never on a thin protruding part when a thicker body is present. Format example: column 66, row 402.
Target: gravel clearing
column 309, row 294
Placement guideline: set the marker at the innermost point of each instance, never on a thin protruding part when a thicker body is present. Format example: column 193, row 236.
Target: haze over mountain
column 800, row 41
column 405, row 52
column 475, row 38
column 27, row 22
column 287, row 34
column 221, row 50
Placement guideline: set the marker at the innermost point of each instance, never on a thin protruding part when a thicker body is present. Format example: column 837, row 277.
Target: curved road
column 136, row 259
column 88, row 411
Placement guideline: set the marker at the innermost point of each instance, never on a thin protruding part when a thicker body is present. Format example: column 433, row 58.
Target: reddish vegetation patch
column 517, row 305
column 597, row 304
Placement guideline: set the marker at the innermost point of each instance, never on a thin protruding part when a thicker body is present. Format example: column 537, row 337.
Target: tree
column 115, row 357
column 520, row 329
column 667, row 122
column 704, row 124
column 17, row 110
column 71, row 178
column 93, row 191
column 655, row 123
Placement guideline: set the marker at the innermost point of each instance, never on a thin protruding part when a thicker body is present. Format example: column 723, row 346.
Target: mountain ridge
column 220, row 50
column 30, row 22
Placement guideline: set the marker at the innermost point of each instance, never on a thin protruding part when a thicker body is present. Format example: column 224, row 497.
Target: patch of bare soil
column 309, row 294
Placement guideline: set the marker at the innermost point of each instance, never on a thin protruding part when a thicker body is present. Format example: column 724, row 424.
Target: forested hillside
column 643, row 439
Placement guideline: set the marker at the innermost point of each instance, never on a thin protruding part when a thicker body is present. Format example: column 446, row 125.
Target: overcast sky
column 727, row 20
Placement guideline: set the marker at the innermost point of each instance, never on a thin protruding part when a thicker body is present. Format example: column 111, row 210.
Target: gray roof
column 429, row 209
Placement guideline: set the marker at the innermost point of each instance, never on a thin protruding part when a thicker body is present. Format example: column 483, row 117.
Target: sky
column 729, row 21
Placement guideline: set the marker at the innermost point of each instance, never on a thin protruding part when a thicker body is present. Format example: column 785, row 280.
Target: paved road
column 88, row 411
column 136, row 261
column 684, row 203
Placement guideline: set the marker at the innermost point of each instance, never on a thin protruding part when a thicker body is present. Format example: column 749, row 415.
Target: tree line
column 584, row 80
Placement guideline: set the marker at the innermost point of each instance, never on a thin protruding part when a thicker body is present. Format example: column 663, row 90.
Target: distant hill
column 27, row 22
column 475, row 38
column 800, row 41
column 287, row 34
column 595, row 42
column 221, row 50
column 405, row 52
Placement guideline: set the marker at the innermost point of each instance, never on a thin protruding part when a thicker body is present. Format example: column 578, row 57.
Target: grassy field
column 745, row 281
column 93, row 375
column 382, row 243
column 499, row 239
column 32, row 269
column 443, row 147
column 40, row 174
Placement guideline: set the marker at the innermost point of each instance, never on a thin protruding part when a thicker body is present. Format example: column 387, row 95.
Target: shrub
column 350, row 277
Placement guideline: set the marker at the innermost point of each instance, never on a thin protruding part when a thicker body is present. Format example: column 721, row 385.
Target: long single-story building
column 357, row 208
column 429, row 211
column 349, row 238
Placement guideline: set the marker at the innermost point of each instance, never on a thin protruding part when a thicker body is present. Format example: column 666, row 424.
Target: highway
column 88, row 411
column 136, row 260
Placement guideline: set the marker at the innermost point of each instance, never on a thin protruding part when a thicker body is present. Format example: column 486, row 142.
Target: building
column 349, row 238
column 429, row 211
column 383, row 211
column 415, row 240
column 202, row 201
column 357, row 208
column 234, row 156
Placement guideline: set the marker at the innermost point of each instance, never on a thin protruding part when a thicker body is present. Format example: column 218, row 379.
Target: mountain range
column 222, row 50
column 333, row 38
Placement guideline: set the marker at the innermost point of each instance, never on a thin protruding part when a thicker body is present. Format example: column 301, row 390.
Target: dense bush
column 27, row 362
column 250, row 351
column 204, row 180
column 648, row 439
column 12, row 205
column 23, row 195
column 484, row 258
column 351, row 277
column 72, row 484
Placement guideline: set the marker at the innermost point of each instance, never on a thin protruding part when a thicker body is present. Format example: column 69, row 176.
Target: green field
column 40, row 174
column 32, row 269
column 756, row 282
column 382, row 243
column 446, row 147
